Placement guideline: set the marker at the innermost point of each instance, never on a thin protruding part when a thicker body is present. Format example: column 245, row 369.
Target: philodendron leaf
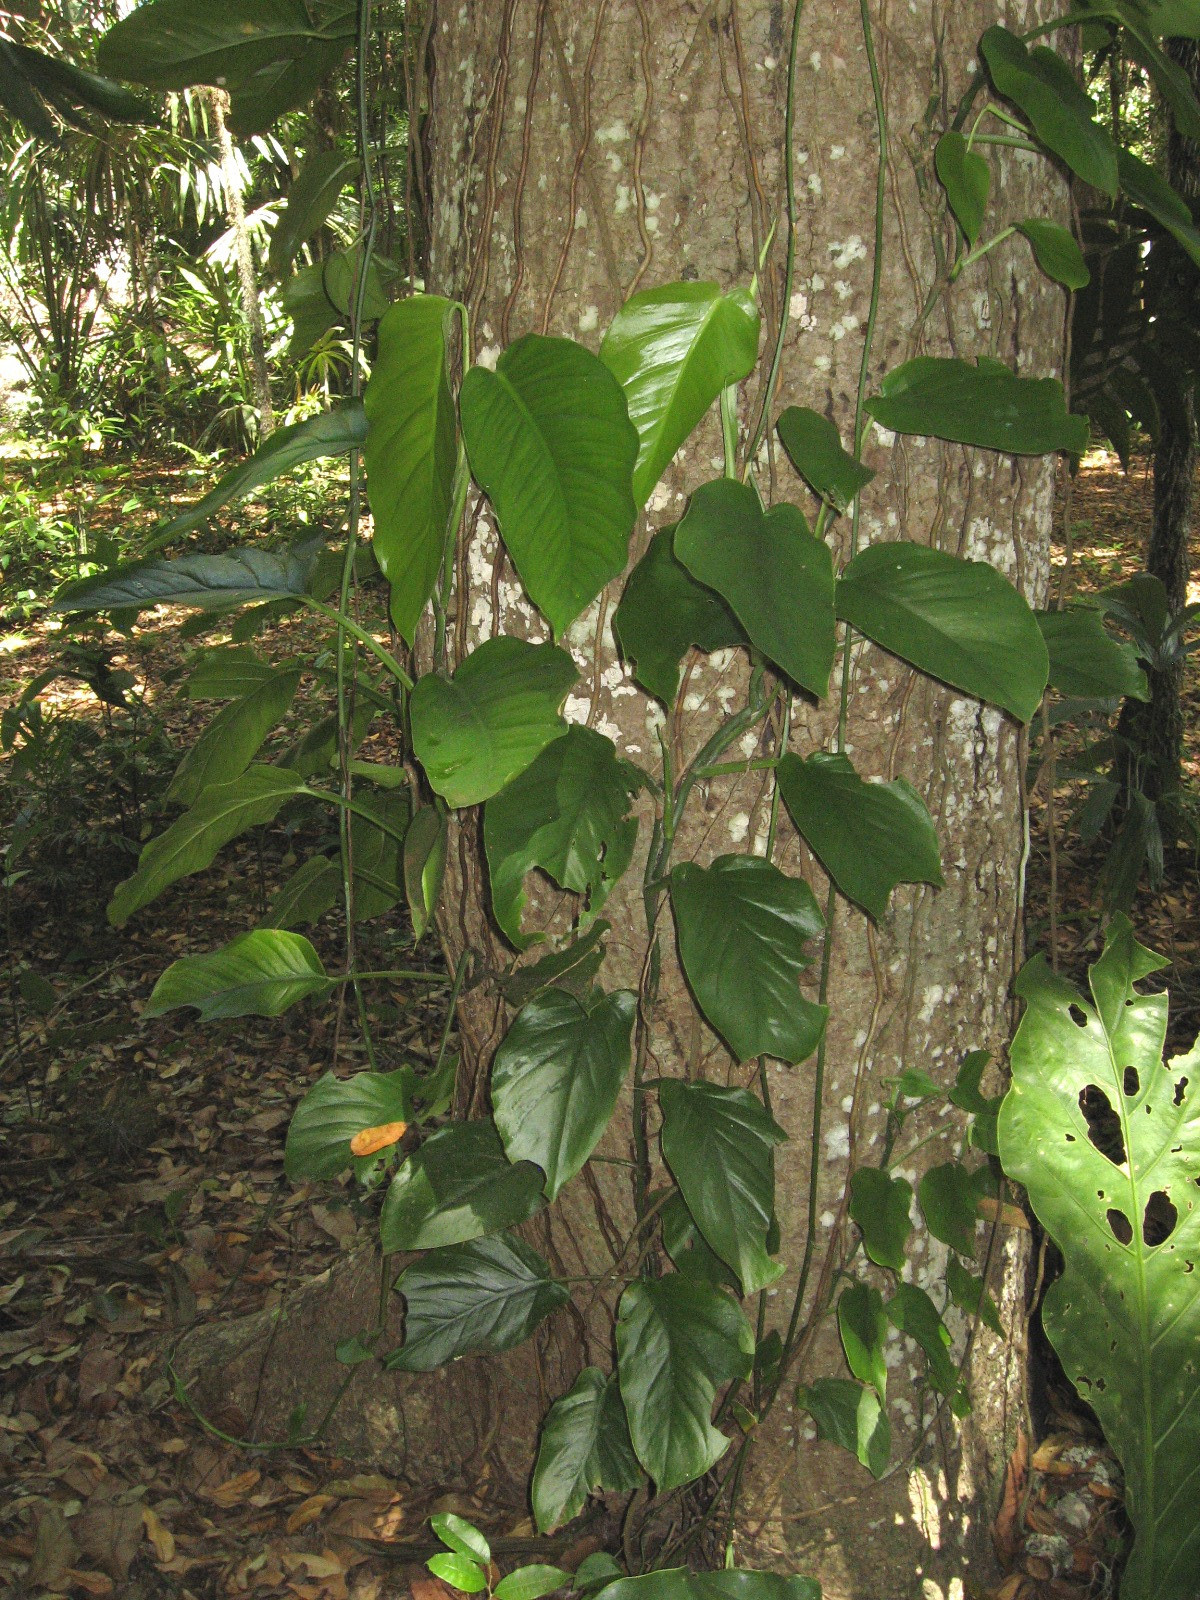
column 232, row 739
column 568, row 814
column 486, row 1295
column 209, row 583
column 1105, row 1137
column 677, row 1583
column 457, row 1187
column 334, row 1110
column 411, row 452
column 966, row 178
column 689, row 1251
column 987, row 405
column 742, row 928
column 776, row 578
column 551, row 444
column 192, row 841
column 863, row 1325
column 961, row 621
column 475, row 732
column 1058, row 255
column 571, row 968
column 1086, row 662
column 677, row 1341
column 818, row 455
column 868, row 836
column 850, row 1414
column 948, row 1196
column 1044, row 87
column 332, row 433
column 879, row 1204
column 226, row 672
column 912, row 1311
column 673, row 350
column 970, row 1294
column 311, row 198
column 376, row 848
column 259, row 974
column 1146, row 188
column 556, row 1078
column 424, row 865
column 585, row 1445
column 720, row 1146
column 663, row 612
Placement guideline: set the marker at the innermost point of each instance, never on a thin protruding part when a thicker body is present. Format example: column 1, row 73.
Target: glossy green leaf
column 1119, row 1197
column 556, row 1077
column 232, row 739
column 742, row 928
column 961, row 621
column 1057, row 252
column 340, row 280
column 986, row 404
column 677, row 1583
column 720, row 1146
column 912, row 1311
column 1147, row 189
column 424, row 866
column 970, row 1294
column 1086, row 662
column 571, row 968
column 850, row 1414
column 192, row 841
column 868, row 836
column 411, row 452
column 677, row 1341
column 461, row 1536
column 312, row 196
column 585, row 1445
column 489, row 1294
column 551, row 444
column 673, row 349
column 226, row 672
column 332, row 433
column 948, row 1197
column 259, row 974
column 1044, row 87
column 567, row 813
column 209, row 583
column 776, row 578
column 879, row 1204
column 818, row 455
column 459, row 1571
column 458, row 1186
column 532, row 1582
column 334, row 1110
column 687, row 1247
column 664, row 612
column 966, row 178
column 31, row 80
column 475, row 732
column 863, row 1326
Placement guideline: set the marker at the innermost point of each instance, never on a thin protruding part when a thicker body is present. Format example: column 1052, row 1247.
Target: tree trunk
column 247, row 276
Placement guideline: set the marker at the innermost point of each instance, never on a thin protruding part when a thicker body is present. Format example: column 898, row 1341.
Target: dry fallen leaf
column 159, row 1535
column 370, row 1140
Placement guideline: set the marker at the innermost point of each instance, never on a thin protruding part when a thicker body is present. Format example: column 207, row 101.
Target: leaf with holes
column 1106, row 1139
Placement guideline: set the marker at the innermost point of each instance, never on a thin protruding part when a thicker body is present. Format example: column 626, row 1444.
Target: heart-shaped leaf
column 742, row 928
column 259, row 974
column 568, row 815
column 1058, row 255
column 556, row 1077
column 677, row 1340
column 585, row 1445
column 673, row 350
column 912, row 1311
column 961, row 621
column 1086, row 662
column 879, row 1204
column 720, row 1146
column 818, row 455
column 966, row 178
column 334, row 1110
column 987, row 405
column 551, row 444
column 948, row 1196
column 850, row 1414
column 776, row 578
column 457, row 1187
column 863, row 1326
column 232, row 739
column 475, row 732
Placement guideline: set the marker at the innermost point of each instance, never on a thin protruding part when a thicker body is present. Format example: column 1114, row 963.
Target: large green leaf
column 551, row 443
column 966, row 178
column 232, row 739
column 912, row 1311
column 673, row 349
column 424, row 866
column 209, row 583
column 868, row 836
column 987, row 405
column 376, row 848
column 863, row 1325
column 458, row 1186
column 568, row 815
column 1057, row 253
column 742, row 928
column 1086, row 662
column 776, row 578
column 687, row 1247
column 192, row 841
column 312, row 196
column 879, row 1204
column 259, row 974
column 663, row 612
column 585, row 1445
column 556, row 1078
column 572, row 968
column 269, row 54
column 961, row 621
column 720, row 1146
column 850, row 1414
column 411, row 452
column 1146, row 188
column 818, row 455
column 677, row 1341
column 677, row 1583
column 475, row 732
column 334, row 1110
column 226, row 672
column 1106, row 1139
column 28, row 77
column 486, row 1295
column 1043, row 86
column 332, row 433
column 311, row 310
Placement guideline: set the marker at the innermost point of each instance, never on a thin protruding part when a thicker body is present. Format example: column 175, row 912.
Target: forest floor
column 142, row 1188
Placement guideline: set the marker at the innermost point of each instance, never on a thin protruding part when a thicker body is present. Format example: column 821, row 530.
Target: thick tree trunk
column 247, row 276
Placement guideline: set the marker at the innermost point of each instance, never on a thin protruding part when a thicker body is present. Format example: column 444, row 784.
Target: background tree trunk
column 247, row 274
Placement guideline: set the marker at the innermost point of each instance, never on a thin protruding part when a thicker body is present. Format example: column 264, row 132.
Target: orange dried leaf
column 368, row 1141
